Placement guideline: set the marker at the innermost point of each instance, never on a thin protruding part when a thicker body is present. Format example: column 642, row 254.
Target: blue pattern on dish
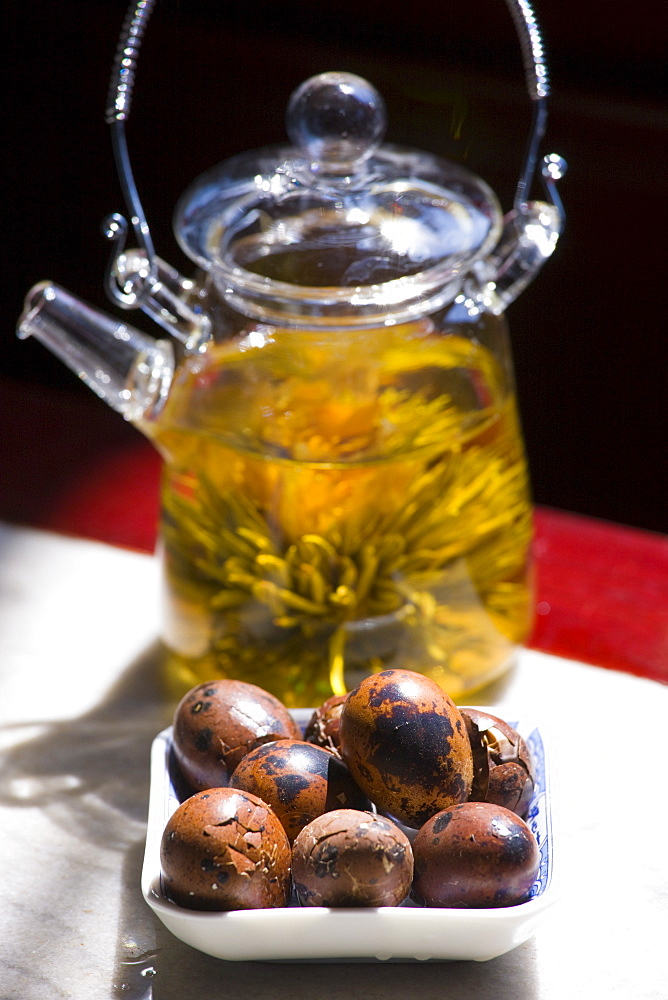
column 538, row 819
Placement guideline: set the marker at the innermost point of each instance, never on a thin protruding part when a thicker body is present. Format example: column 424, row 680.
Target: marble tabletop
column 80, row 701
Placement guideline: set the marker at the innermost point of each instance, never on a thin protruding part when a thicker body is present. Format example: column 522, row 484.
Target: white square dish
column 406, row 933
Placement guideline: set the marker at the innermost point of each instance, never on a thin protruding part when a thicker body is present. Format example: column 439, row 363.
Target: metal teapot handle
column 139, row 278
column 538, row 87
column 120, row 99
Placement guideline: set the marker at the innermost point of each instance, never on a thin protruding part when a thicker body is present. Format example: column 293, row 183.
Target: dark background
column 214, row 78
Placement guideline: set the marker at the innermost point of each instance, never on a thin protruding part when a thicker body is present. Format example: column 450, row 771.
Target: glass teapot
column 344, row 486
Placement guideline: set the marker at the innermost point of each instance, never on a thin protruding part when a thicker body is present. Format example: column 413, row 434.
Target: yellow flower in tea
column 340, row 507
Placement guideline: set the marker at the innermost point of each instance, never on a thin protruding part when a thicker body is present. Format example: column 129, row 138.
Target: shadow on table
column 74, row 797
column 172, row 970
column 90, row 775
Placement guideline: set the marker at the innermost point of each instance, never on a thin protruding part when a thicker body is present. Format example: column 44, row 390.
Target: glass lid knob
column 336, row 120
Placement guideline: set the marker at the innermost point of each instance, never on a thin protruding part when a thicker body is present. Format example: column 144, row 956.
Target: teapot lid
column 337, row 225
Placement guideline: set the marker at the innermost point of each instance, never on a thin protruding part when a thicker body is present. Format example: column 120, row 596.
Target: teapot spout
column 129, row 370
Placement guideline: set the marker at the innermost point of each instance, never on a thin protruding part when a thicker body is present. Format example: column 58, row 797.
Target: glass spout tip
column 43, row 291
column 129, row 370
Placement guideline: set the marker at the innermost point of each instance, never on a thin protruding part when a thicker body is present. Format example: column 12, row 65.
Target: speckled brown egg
column 406, row 745
column 225, row 850
column 217, row 723
column 352, row 858
column 299, row 781
column 474, row 855
column 324, row 726
column 502, row 767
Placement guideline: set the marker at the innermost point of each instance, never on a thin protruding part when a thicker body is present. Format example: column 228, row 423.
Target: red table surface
column 602, row 589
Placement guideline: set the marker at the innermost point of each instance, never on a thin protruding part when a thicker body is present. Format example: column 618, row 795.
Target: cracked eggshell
column 352, row 858
column 406, row 745
column 299, row 781
column 502, row 764
column 225, row 850
column 216, row 724
column 324, row 726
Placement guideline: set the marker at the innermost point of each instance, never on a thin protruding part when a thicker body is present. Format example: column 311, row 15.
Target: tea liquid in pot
column 336, row 503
